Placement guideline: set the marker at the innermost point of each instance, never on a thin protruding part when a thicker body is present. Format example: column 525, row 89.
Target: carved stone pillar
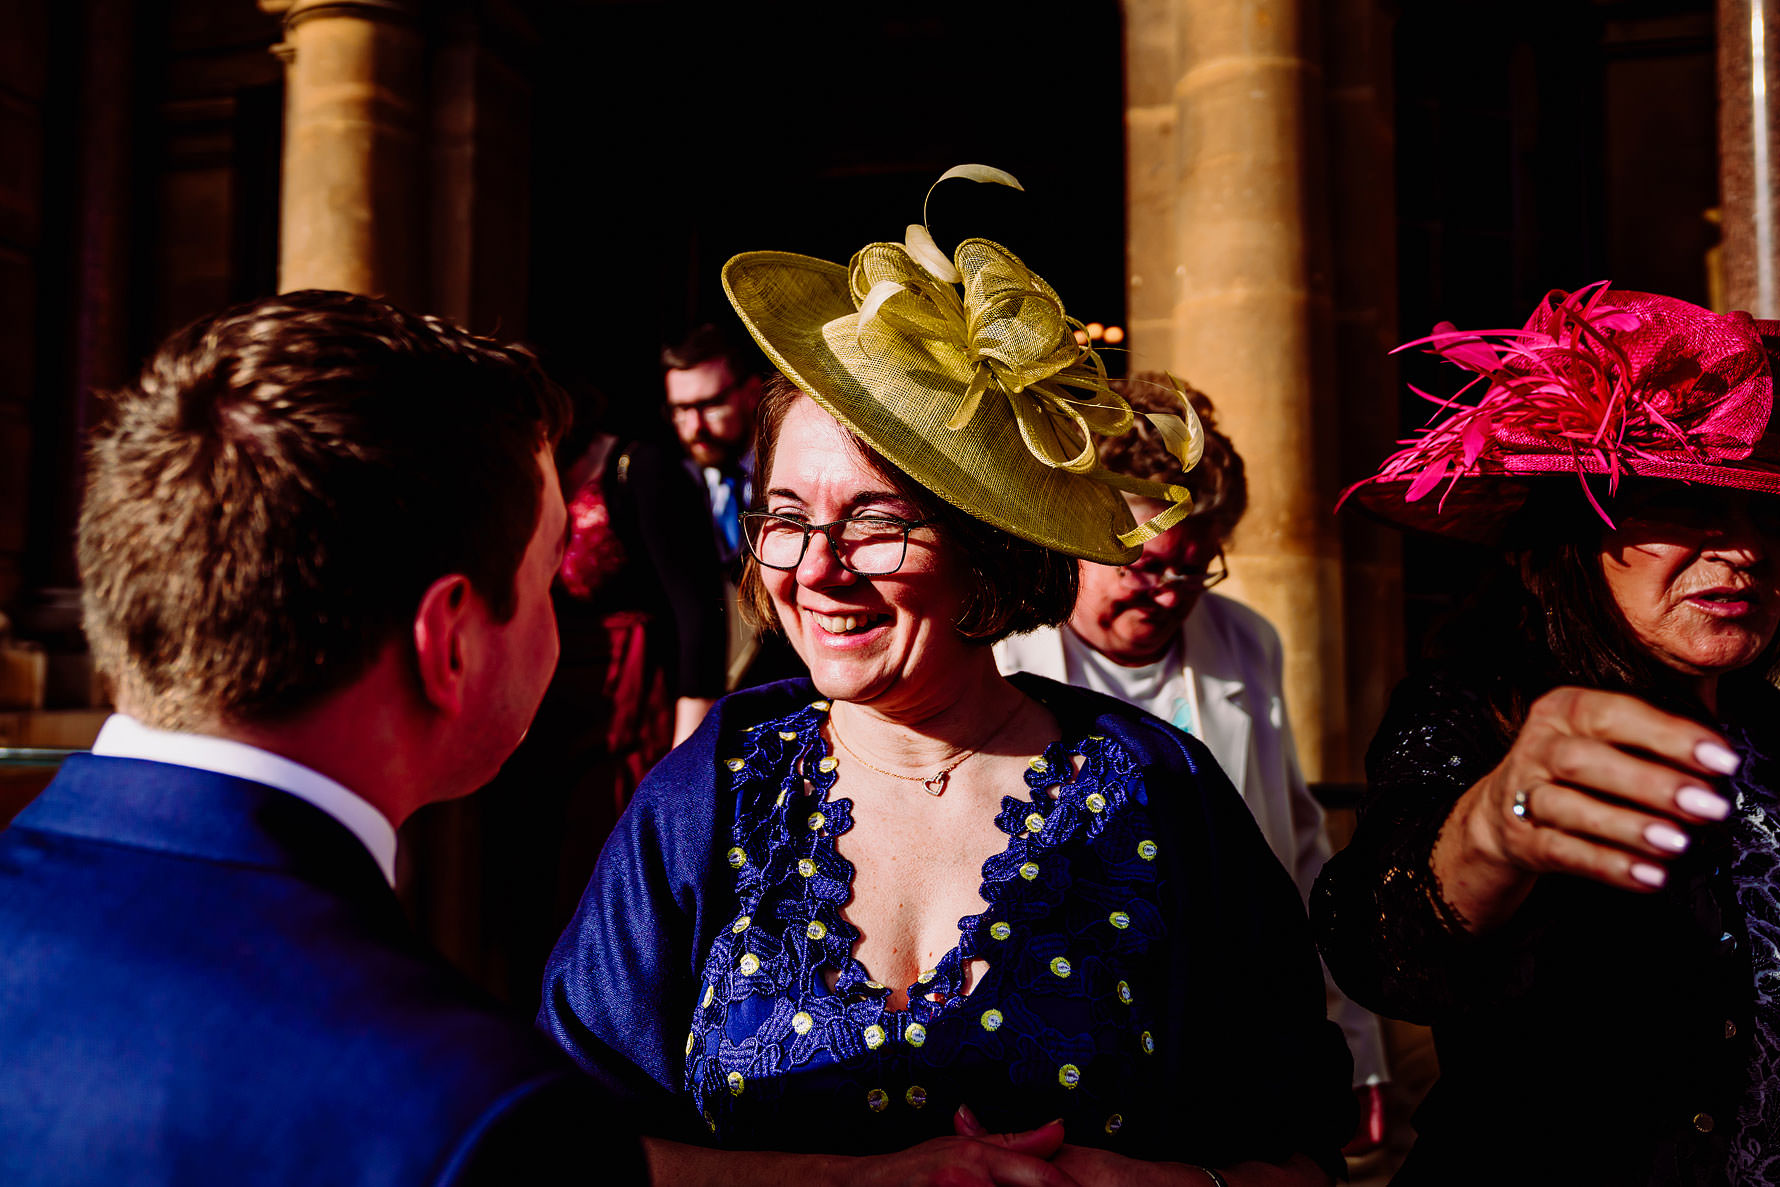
column 1748, row 119
column 1229, row 287
column 353, row 213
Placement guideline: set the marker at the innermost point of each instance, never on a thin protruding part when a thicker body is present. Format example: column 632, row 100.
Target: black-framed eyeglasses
column 1180, row 581
column 706, row 405
column 869, row 545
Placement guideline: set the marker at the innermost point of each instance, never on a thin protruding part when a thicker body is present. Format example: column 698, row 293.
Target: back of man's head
column 270, row 500
column 706, row 344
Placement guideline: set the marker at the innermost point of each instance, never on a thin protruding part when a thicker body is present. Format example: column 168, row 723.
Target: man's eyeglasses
column 1168, row 577
column 869, row 545
column 695, row 408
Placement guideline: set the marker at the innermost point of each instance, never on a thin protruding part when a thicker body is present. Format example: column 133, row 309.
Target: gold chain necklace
column 934, row 784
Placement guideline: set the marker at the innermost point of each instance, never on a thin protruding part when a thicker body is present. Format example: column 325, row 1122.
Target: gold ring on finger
column 1522, row 806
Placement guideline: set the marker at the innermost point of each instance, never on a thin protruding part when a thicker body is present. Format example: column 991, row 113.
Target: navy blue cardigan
column 1261, row 1073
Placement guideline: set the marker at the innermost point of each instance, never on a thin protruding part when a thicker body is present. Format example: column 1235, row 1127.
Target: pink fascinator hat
column 1599, row 382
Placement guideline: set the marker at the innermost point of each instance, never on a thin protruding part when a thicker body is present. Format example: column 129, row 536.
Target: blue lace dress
column 1149, row 971
column 1064, row 1015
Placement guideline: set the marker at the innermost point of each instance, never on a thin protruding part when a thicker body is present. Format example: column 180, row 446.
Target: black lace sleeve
column 1390, row 939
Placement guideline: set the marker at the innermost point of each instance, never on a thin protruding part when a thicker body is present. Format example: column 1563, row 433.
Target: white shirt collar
column 125, row 737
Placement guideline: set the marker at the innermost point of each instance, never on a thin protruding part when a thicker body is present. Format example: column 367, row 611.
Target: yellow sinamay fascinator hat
column 966, row 375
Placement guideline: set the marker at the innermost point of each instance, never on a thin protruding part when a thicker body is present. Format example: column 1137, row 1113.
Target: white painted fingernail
column 1707, row 805
column 1666, row 836
column 1718, row 758
column 1648, row 874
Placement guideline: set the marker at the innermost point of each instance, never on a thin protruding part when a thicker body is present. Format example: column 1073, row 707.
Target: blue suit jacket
column 205, row 980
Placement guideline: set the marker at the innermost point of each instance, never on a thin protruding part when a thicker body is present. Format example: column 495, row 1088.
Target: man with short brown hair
column 712, row 393
column 316, row 548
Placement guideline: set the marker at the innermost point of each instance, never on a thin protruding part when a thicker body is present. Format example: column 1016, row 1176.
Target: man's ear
column 441, row 642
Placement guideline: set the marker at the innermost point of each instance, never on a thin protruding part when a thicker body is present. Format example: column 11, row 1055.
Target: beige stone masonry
column 1228, row 286
column 354, row 149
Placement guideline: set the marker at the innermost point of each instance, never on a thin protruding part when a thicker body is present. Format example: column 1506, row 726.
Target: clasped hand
column 1040, row 1158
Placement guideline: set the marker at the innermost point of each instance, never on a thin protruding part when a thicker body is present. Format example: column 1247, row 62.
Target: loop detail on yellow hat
column 966, row 374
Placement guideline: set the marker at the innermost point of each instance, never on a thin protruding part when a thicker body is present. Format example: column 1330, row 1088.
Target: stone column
column 1748, row 119
column 1361, row 128
column 1152, row 181
column 1229, row 287
column 353, row 214
column 480, row 179
column 98, row 289
column 24, row 58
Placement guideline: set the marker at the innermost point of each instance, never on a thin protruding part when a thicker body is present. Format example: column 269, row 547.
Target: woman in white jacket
column 1149, row 634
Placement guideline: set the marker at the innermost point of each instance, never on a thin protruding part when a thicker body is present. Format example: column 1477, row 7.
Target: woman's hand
column 1090, row 1167
column 1599, row 785
column 1010, row 1159
column 1102, row 1168
column 984, row 1160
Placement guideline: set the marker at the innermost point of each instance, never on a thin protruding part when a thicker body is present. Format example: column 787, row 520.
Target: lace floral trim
column 791, row 886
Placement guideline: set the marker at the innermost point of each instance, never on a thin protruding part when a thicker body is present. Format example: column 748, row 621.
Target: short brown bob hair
column 1218, row 483
column 1015, row 585
column 274, row 494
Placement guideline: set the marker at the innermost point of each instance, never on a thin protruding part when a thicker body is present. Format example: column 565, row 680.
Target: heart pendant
column 937, row 784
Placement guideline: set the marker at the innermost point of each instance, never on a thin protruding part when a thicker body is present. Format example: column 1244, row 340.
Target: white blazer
column 1232, row 655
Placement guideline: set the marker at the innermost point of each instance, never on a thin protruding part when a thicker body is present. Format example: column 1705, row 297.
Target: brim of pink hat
column 1480, row 508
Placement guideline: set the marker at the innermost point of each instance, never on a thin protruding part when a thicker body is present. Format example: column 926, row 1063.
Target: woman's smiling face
column 881, row 640
column 1692, row 571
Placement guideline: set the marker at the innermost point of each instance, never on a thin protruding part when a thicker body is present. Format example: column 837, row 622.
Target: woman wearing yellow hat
column 909, row 906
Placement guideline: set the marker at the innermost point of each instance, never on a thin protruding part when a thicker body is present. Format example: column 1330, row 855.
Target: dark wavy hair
column 1014, row 585
column 274, row 494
